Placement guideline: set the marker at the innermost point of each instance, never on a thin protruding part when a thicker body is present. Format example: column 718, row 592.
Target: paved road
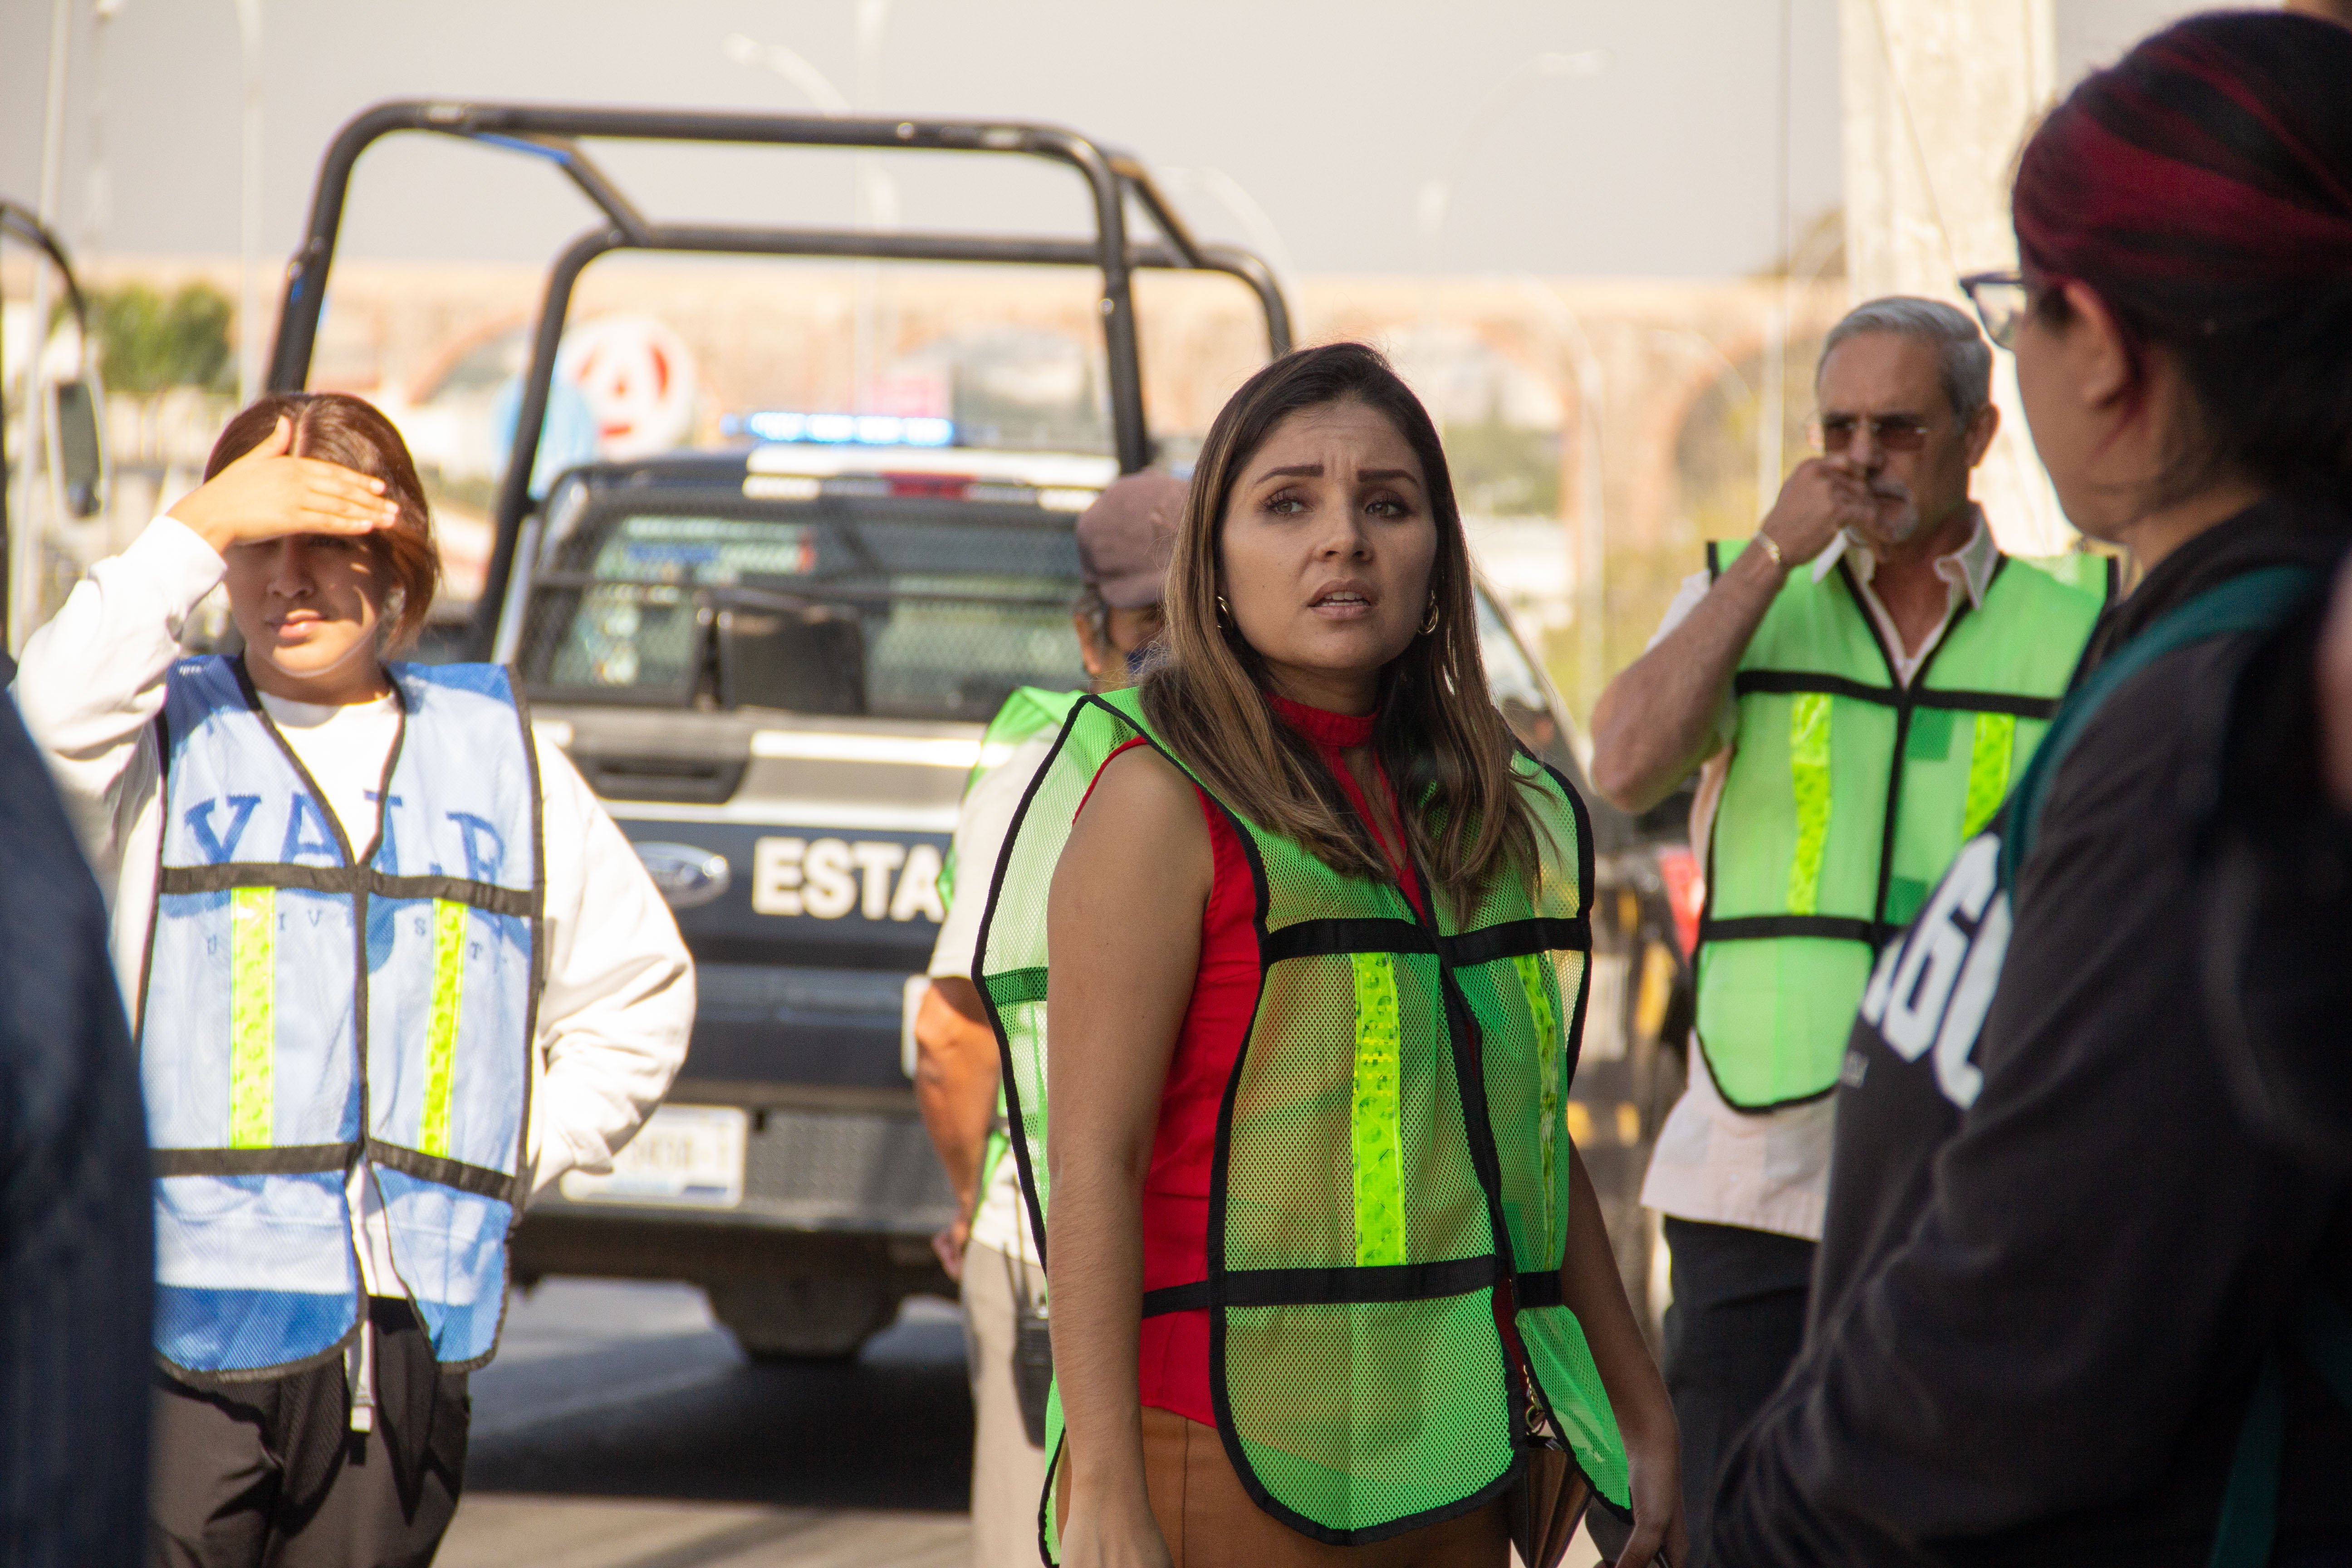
column 620, row 1429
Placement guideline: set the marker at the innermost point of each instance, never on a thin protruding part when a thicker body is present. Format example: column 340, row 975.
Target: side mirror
column 77, row 446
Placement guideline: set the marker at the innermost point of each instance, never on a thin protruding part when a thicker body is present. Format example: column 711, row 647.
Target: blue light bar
column 840, row 429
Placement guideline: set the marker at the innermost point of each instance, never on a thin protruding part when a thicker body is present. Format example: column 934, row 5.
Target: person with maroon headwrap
column 2084, row 1287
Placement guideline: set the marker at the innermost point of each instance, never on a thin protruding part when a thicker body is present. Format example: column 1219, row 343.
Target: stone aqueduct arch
column 786, row 339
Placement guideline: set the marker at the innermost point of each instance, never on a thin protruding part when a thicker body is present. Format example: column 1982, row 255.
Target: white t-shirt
column 1769, row 1170
column 618, row 1003
column 1002, row 1220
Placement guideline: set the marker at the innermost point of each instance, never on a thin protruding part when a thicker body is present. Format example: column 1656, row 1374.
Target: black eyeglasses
column 2001, row 301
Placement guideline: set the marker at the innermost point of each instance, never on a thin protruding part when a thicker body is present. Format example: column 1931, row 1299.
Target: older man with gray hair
column 1858, row 684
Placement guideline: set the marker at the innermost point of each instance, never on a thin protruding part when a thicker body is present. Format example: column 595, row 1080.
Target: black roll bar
column 546, row 130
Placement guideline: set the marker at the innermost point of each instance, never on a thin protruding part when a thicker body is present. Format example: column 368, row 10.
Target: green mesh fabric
column 1347, row 1148
column 1527, row 1096
column 1346, row 1432
column 1031, row 711
column 1291, row 1186
column 1564, row 1366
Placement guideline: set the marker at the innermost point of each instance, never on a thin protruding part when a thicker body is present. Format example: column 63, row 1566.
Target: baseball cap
column 1126, row 537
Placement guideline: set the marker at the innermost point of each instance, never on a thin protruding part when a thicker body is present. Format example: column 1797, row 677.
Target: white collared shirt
column 1769, row 1170
column 1966, row 571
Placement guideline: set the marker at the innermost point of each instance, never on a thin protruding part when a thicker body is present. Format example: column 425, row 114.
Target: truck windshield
column 894, row 609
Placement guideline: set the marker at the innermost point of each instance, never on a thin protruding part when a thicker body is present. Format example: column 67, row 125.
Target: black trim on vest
column 344, row 881
column 1766, row 1109
column 292, row 1159
column 1540, row 1288
column 442, row 1170
column 1763, row 927
column 1323, row 938
column 1518, row 938
column 1755, row 682
column 1353, row 1286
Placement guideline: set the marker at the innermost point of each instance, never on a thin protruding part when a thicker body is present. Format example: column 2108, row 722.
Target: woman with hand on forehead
column 389, row 966
column 1329, row 1282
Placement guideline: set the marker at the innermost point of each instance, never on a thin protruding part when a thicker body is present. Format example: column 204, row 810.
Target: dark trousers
column 1736, row 1325
column 270, row 1475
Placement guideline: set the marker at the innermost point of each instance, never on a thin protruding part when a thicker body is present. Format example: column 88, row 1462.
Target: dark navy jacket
column 2059, row 1242
column 77, row 1267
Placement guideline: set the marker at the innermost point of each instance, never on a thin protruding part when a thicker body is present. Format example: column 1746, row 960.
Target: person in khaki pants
column 1123, row 544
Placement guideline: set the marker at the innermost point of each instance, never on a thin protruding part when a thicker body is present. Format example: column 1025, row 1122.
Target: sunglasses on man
column 1836, row 433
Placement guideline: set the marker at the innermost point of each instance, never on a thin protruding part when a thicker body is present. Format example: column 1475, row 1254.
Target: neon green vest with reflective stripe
column 1848, row 794
column 1029, row 712
column 1392, row 1166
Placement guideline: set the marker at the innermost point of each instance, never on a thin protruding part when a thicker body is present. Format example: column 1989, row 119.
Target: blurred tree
column 148, row 343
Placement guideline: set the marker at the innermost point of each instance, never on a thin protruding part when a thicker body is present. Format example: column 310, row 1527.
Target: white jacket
column 619, row 997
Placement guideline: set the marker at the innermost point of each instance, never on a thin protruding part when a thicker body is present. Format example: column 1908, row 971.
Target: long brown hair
column 1436, row 730
column 337, row 427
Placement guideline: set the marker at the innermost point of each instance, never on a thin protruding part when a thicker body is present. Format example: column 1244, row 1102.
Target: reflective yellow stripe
column 441, row 1028
column 1808, row 772
column 1989, row 761
column 252, row 1029
column 1547, row 1029
column 1376, row 1124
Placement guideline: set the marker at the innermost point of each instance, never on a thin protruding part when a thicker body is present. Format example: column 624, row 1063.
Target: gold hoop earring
column 1429, row 621
column 1225, row 612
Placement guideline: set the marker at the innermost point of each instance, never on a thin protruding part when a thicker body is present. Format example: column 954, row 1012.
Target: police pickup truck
column 775, row 667
column 775, row 663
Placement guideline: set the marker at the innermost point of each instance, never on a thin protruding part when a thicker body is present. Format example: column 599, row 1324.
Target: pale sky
column 1330, row 116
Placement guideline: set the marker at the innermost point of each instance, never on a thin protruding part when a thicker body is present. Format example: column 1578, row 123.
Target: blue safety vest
column 301, row 1009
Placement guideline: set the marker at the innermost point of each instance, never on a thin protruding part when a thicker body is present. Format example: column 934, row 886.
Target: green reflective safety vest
column 1849, row 793
column 1391, row 1202
column 1030, row 711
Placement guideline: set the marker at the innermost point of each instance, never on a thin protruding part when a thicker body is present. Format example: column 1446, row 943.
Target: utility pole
column 1938, row 96
column 21, row 584
column 248, row 308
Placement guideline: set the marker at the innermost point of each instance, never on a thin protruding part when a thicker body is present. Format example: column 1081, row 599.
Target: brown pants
column 1210, row 1522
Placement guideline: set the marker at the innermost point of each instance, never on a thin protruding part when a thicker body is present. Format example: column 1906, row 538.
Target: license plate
column 687, row 1154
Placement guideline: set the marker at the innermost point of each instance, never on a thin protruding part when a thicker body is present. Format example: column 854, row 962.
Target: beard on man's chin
column 1898, row 527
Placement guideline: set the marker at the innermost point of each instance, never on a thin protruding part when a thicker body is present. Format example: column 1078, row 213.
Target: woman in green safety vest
column 2084, row 1288
column 1309, row 936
